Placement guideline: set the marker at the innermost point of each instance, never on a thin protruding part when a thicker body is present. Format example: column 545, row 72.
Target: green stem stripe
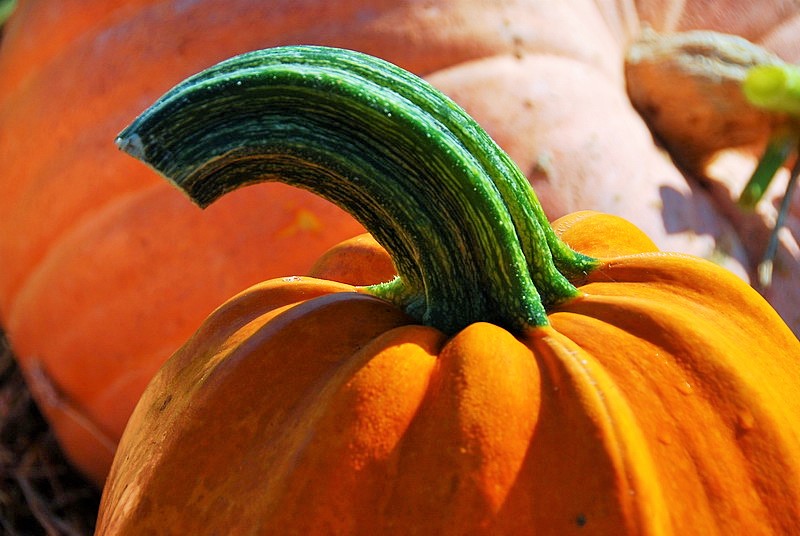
column 468, row 236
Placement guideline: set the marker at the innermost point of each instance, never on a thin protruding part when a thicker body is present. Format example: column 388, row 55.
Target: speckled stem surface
column 465, row 230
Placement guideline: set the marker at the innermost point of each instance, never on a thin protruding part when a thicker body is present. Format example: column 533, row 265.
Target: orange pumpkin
column 503, row 383
column 106, row 271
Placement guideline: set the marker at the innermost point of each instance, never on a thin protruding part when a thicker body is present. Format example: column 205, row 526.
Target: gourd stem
column 775, row 88
column 466, row 233
column 783, row 142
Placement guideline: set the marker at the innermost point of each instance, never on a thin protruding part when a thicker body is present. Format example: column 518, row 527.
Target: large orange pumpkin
column 503, row 383
column 105, row 270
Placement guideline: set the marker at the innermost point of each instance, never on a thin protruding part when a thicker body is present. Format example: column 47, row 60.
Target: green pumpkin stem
column 466, row 232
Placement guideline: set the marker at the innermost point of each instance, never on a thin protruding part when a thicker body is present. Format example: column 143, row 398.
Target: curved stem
column 467, row 235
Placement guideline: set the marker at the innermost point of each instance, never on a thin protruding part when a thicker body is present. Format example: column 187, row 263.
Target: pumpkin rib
column 291, row 416
column 434, row 518
column 354, row 452
column 667, row 319
column 761, row 476
column 480, row 419
column 617, row 429
column 675, row 328
column 597, row 304
column 638, row 384
column 660, row 267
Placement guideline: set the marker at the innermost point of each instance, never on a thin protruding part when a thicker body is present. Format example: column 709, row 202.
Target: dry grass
column 39, row 492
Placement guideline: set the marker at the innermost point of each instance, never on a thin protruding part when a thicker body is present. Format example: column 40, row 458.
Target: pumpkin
column 106, row 271
column 509, row 380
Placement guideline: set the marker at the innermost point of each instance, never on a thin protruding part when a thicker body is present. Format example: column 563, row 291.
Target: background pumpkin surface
column 107, row 269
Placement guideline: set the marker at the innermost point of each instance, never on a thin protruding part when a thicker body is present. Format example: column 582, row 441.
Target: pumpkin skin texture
column 96, row 294
column 658, row 395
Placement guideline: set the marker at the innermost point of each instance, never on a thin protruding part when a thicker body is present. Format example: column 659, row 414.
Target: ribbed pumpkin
column 508, row 381
column 105, row 270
